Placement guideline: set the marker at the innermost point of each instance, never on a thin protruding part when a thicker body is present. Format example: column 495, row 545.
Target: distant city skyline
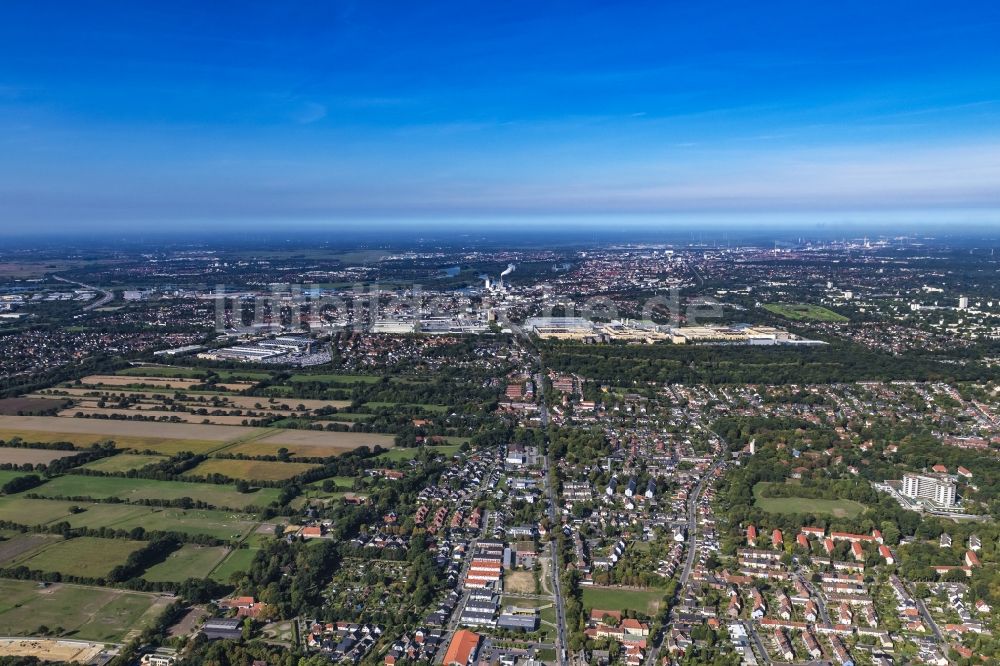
column 146, row 118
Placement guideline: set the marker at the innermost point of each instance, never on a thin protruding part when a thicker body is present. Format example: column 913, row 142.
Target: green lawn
column 102, row 487
column 804, row 312
column 85, row 613
column 83, row 556
column 609, row 598
column 189, row 561
column 839, row 508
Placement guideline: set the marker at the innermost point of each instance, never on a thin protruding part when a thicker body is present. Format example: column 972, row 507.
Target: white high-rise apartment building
column 938, row 489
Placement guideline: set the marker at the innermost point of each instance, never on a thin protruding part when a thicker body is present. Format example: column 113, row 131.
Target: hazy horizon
column 136, row 118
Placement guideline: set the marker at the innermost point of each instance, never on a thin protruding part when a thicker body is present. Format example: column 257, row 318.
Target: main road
column 550, row 489
column 106, row 296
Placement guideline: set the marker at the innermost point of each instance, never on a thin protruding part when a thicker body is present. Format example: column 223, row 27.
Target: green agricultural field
column 804, row 312
column 130, row 490
column 95, row 515
column 123, row 462
column 839, row 508
column 191, row 373
column 253, row 470
column 23, row 511
column 335, row 379
column 162, row 371
column 438, row 409
column 7, row 475
column 84, row 556
column 187, row 562
column 86, row 613
column 348, row 418
column 610, row 598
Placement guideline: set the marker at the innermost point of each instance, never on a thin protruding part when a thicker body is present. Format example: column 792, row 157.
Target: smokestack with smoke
column 508, row 270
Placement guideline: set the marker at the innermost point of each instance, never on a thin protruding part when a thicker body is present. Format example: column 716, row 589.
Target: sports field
column 238, row 560
column 838, row 508
column 252, row 470
column 189, row 561
column 616, row 599
column 83, row 556
column 89, row 613
column 804, row 312
column 102, row 487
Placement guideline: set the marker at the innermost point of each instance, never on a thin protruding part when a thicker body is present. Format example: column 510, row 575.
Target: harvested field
column 23, row 545
column 106, row 429
column 164, row 382
column 19, row 456
column 147, row 414
column 251, row 470
column 329, row 439
column 88, row 397
column 29, row 405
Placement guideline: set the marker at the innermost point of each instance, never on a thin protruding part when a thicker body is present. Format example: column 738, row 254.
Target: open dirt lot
column 519, row 582
column 51, row 650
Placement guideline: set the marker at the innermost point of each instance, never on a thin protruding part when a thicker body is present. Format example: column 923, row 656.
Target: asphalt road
column 692, row 547
column 550, row 488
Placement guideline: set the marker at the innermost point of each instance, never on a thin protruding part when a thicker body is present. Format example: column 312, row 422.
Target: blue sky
column 136, row 115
